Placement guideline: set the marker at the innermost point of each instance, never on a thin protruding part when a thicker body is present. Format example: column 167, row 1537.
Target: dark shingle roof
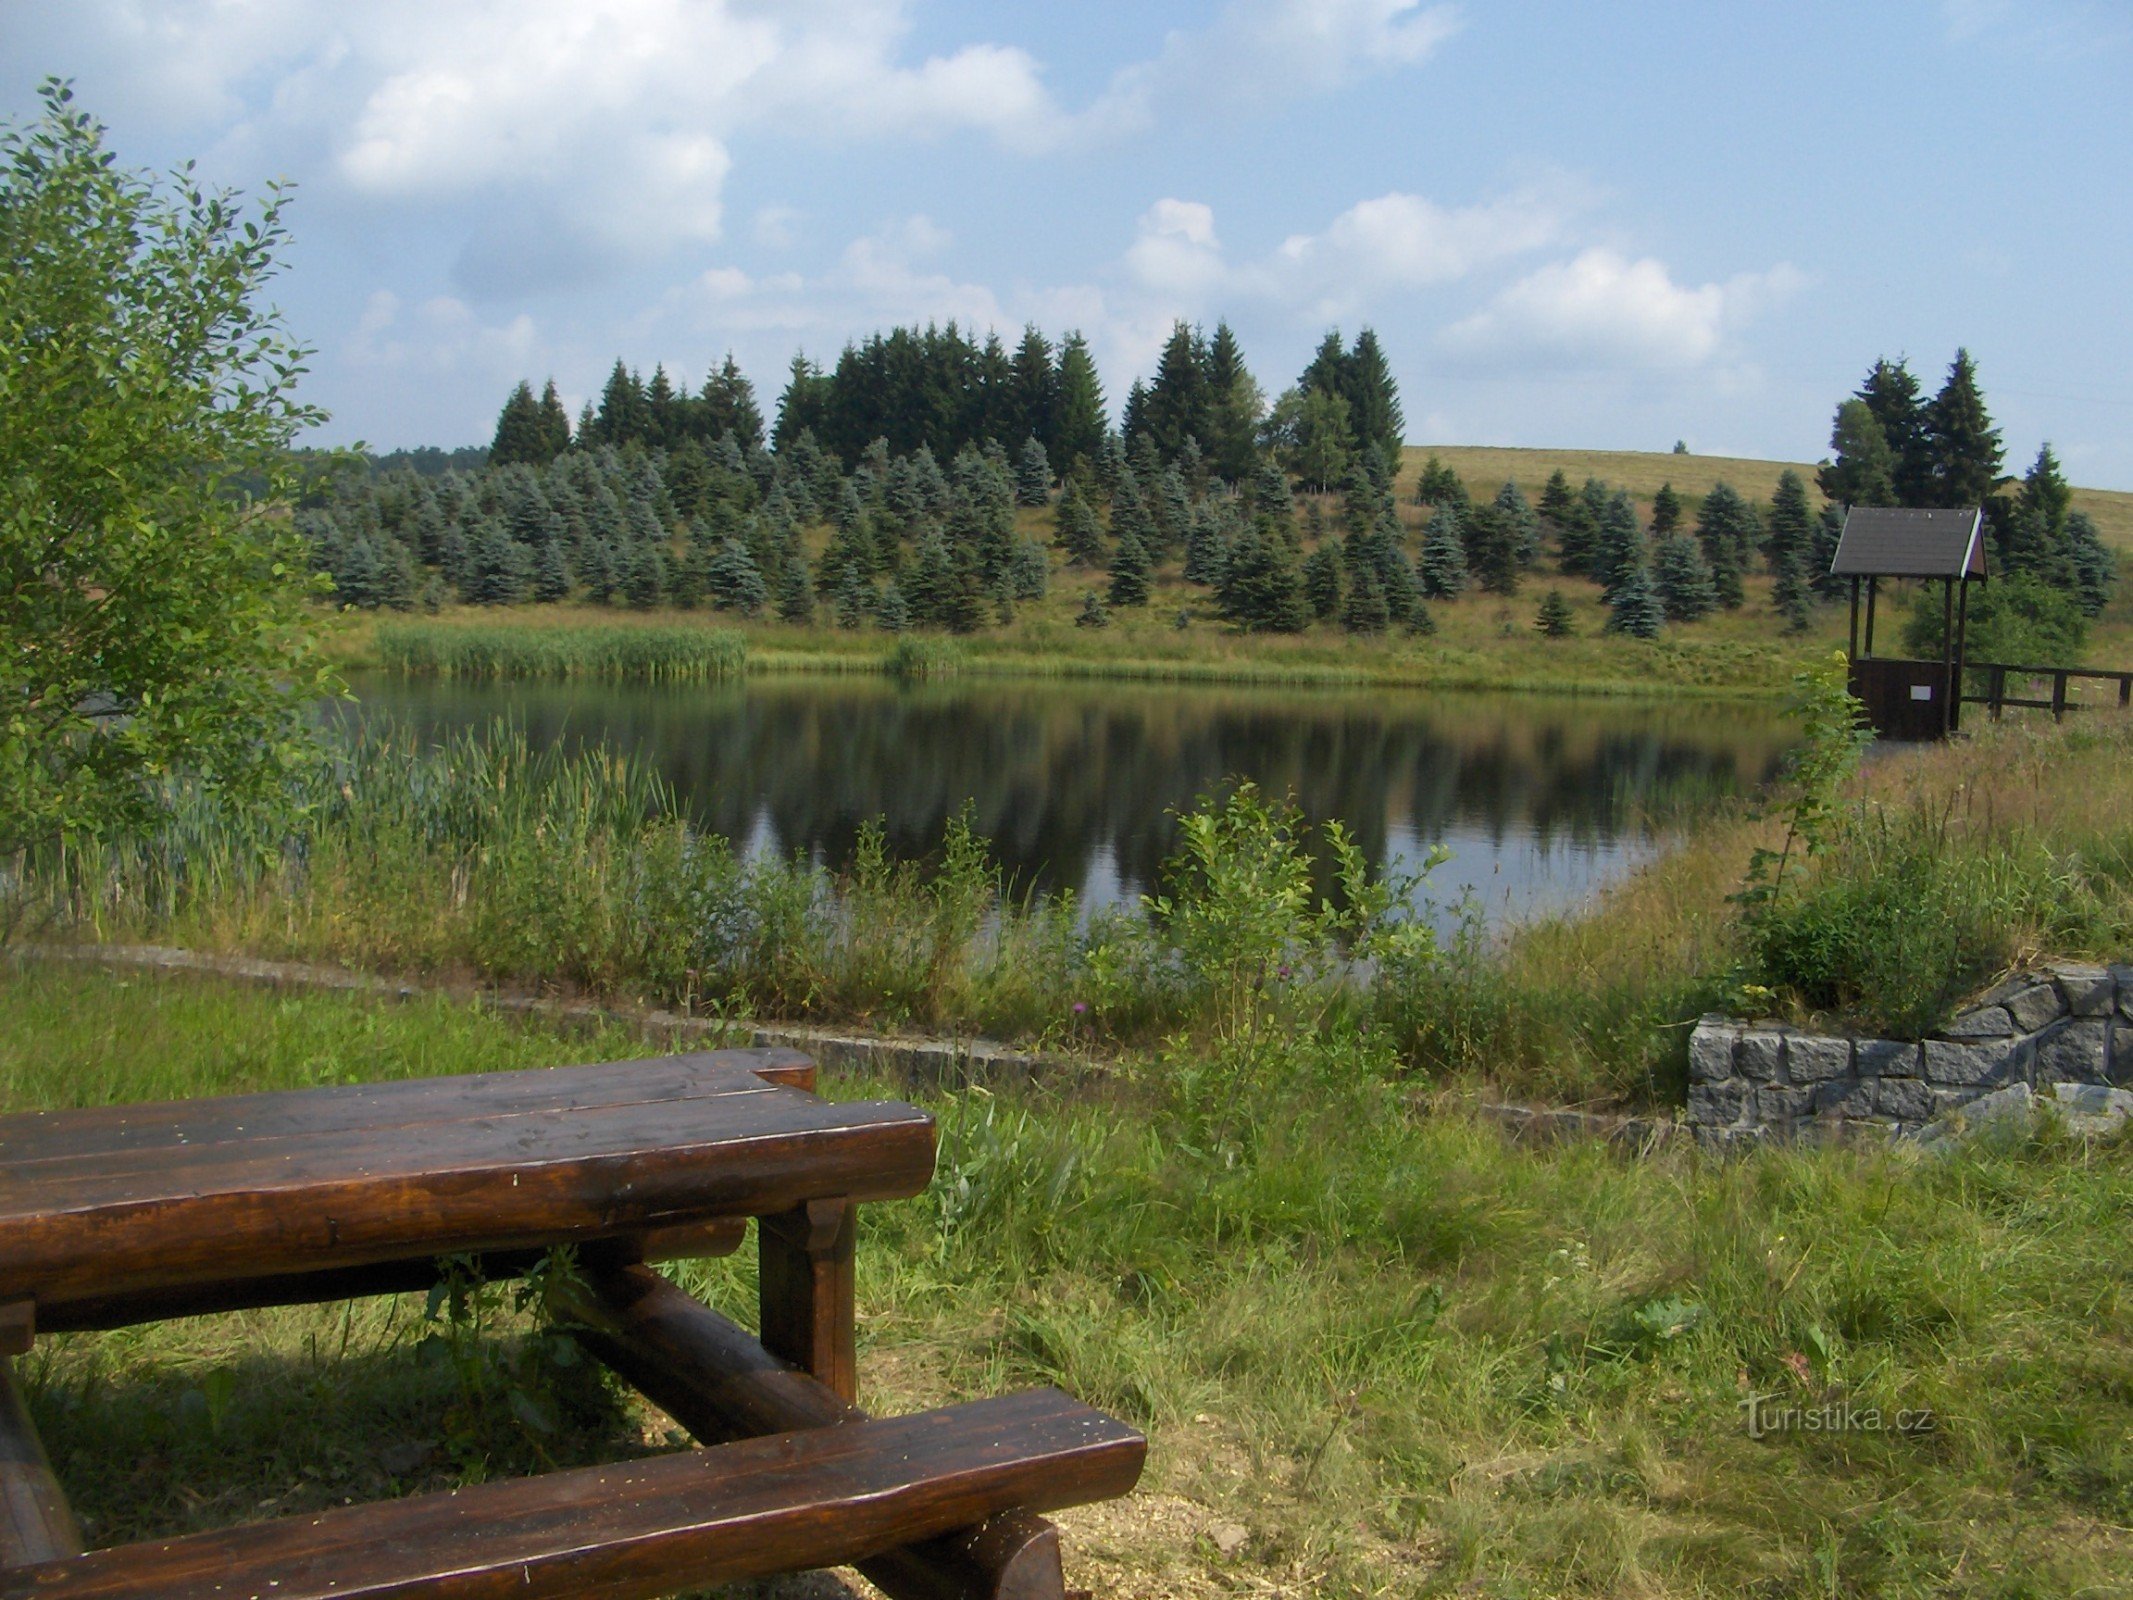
column 1883, row 542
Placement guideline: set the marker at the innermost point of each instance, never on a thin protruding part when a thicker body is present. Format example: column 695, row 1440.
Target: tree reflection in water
column 1540, row 799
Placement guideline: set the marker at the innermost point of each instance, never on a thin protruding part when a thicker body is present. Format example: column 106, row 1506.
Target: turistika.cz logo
column 1766, row 1414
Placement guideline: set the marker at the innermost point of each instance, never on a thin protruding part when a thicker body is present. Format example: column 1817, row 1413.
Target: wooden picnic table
column 124, row 1214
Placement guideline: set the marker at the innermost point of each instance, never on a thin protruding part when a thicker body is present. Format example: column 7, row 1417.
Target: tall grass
column 1950, row 866
column 612, row 652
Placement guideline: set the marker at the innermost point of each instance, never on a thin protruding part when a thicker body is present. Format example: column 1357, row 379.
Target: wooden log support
column 36, row 1523
column 693, row 1242
column 709, row 1376
column 634, row 1531
column 805, row 1290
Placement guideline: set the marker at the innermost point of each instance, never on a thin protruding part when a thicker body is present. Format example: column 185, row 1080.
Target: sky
column 1571, row 224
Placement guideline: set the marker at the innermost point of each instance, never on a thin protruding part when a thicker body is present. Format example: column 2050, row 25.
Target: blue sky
column 1571, row 224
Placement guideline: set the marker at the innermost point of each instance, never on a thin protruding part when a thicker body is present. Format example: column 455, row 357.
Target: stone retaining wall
column 1756, row 1080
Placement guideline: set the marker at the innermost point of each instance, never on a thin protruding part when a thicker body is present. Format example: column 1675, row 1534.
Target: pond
column 1540, row 800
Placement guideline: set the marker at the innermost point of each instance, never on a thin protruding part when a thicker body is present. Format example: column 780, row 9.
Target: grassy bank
column 1403, row 1355
column 1475, row 647
column 484, row 859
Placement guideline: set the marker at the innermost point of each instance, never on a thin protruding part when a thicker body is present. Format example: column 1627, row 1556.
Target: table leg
column 805, row 1291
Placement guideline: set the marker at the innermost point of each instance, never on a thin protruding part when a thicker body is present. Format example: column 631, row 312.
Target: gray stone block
column 2034, row 1007
column 2091, row 1108
column 2013, row 984
column 1811, row 1058
column 1846, row 1097
column 1759, row 1055
column 1717, row 1105
column 1711, row 1050
column 1893, row 1058
column 2123, row 978
column 1781, row 1104
column 2118, row 1051
column 2074, row 1052
column 1986, row 1022
column 1907, row 1099
column 1975, row 1065
column 2088, row 990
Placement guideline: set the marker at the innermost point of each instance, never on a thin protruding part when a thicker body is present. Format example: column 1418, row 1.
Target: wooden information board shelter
column 1907, row 699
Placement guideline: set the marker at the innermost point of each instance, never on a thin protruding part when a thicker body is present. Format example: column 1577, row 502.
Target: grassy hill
column 1641, row 472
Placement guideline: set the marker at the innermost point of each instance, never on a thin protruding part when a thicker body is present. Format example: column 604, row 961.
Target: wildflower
column 1080, row 1006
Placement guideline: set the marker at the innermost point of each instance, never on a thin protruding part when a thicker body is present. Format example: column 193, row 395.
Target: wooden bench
column 125, row 1214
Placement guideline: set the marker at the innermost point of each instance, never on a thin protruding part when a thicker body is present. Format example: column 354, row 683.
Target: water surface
column 1540, row 800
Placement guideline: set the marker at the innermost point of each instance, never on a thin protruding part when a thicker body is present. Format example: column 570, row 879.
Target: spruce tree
column 1789, row 529
column 1235, row 405
column 1205, row 547
column 2095, row 567
column 1723, row 528
column 551, row 572
column 1666, row 512
column 1130, row 565
column 1523, row 526
column 497, row 567
column 521, row 438
column 1033, row 410
column 1553, row 619
column 1636, row 608
column 1322, row 582
column 645, row 583
column 1365, row 610
column 1828, row 530
column 1078, row 434
column 929, row 581
column 894, row 613
column 854, row 601
column 1028, row 572
column 1033, row 474
column 1262, row 591
column 1374, row 403
column 1891, row 392
column 1618, row 547
column 1444, row 568
column 1789, row 595
column 1094, row 613
column 1961, row 441
column 1077, row 531
column 1683, row 579
column 735, row 581
column 796, row 590
column 1492, row 548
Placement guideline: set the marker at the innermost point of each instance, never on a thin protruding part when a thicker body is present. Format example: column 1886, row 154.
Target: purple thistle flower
column 1080, row 1006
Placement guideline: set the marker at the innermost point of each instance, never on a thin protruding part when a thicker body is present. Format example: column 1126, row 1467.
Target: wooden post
column 1962, row 646
column 1855, row 617
column 2125, row 689
column 1947, row 656
column 2059, row 696
column 1873, row 588
column 35, row 1522
column 1998, row 691
column 805, row 1292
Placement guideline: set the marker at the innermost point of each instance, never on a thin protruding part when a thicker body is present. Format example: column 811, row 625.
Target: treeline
column 942, row 389
column 1891, row 447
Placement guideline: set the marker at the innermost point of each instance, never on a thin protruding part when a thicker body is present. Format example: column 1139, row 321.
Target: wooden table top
column 116, row 1200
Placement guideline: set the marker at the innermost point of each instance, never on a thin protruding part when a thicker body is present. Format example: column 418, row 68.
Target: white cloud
column 1602, row 309
column 1259, row 52
column 1175, row 251
column 442, row 334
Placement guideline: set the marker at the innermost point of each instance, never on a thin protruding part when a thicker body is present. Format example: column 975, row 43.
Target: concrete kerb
column 917, row 1062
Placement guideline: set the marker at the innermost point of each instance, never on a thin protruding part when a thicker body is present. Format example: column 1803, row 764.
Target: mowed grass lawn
column 1401, row 1354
